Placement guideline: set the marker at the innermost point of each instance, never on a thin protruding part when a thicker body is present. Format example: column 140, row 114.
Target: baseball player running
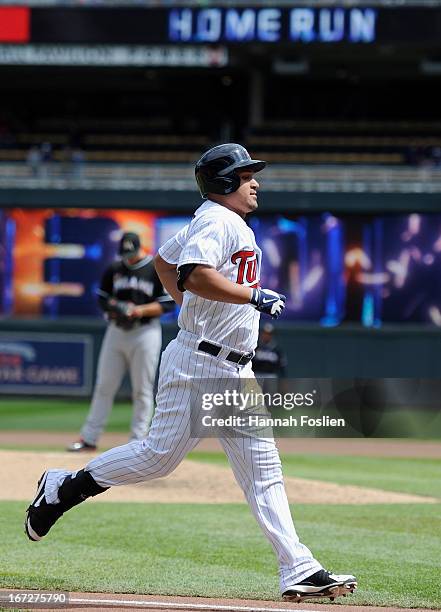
column 133, row 298
column 215, row 262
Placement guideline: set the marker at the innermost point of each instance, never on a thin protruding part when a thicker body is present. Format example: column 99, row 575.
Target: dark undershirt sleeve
column 105, row 291
column 184, row 272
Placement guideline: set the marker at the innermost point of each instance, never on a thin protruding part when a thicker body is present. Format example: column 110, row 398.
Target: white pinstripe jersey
column 219, row 238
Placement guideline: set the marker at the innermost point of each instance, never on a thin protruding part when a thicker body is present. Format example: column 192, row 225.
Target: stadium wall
column 313, row 352
column 187, row 201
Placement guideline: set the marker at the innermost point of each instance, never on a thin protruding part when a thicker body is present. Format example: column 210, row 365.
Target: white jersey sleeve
column 220, row 238
column 208, row 242
column 170, row 251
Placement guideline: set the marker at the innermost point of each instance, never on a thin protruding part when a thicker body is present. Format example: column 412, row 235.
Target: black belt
column 234, row 356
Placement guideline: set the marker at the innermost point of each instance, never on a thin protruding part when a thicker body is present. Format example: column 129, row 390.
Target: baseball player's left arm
column 166, row 262
column 168, row 275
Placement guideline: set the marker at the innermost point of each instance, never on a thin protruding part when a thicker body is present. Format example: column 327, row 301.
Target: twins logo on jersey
column 247, row 267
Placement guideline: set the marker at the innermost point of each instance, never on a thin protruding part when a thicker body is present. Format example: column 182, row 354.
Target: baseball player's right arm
column 210, row 284
column 209, row 243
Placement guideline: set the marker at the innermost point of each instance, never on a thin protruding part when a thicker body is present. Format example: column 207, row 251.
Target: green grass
column 415, row 476
column 407, row 422
column 56, row 415
column 219, row 551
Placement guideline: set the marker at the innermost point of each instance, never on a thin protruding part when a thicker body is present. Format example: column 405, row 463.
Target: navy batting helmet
column 216, row 170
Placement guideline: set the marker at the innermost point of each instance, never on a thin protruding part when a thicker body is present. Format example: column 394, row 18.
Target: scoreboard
column 205, row 36
column 296, row 26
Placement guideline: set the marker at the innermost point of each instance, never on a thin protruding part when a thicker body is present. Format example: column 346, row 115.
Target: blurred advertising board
column 333, row 268
column 58, row 364
column 53, row 259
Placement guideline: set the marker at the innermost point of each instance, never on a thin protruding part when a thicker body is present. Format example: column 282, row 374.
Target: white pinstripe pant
column 255, row 461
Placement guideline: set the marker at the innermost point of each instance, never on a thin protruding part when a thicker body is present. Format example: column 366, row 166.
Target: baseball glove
column 121, row 313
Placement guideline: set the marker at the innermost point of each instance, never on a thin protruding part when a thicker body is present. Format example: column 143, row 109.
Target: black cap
column 130, row 244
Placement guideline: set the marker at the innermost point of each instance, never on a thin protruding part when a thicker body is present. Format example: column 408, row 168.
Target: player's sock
column 41, row 515
column 76, row 489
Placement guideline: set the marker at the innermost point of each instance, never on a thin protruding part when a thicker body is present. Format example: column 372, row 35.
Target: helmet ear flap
column 227, row 184
column 234, row 180
column 221, row 185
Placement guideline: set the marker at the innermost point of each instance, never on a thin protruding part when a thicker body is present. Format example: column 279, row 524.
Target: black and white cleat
column 320, row 585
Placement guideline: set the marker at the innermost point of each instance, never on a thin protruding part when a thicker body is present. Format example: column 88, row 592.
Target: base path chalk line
column 176, row 606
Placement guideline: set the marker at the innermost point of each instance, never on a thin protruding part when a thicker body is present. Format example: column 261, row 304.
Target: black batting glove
column 269, row 302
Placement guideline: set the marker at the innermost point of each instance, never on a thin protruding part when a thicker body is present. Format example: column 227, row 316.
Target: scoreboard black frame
column 270, row 25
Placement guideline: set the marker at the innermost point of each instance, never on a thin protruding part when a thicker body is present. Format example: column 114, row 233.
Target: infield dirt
column 192, row 482
column 115, row 601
